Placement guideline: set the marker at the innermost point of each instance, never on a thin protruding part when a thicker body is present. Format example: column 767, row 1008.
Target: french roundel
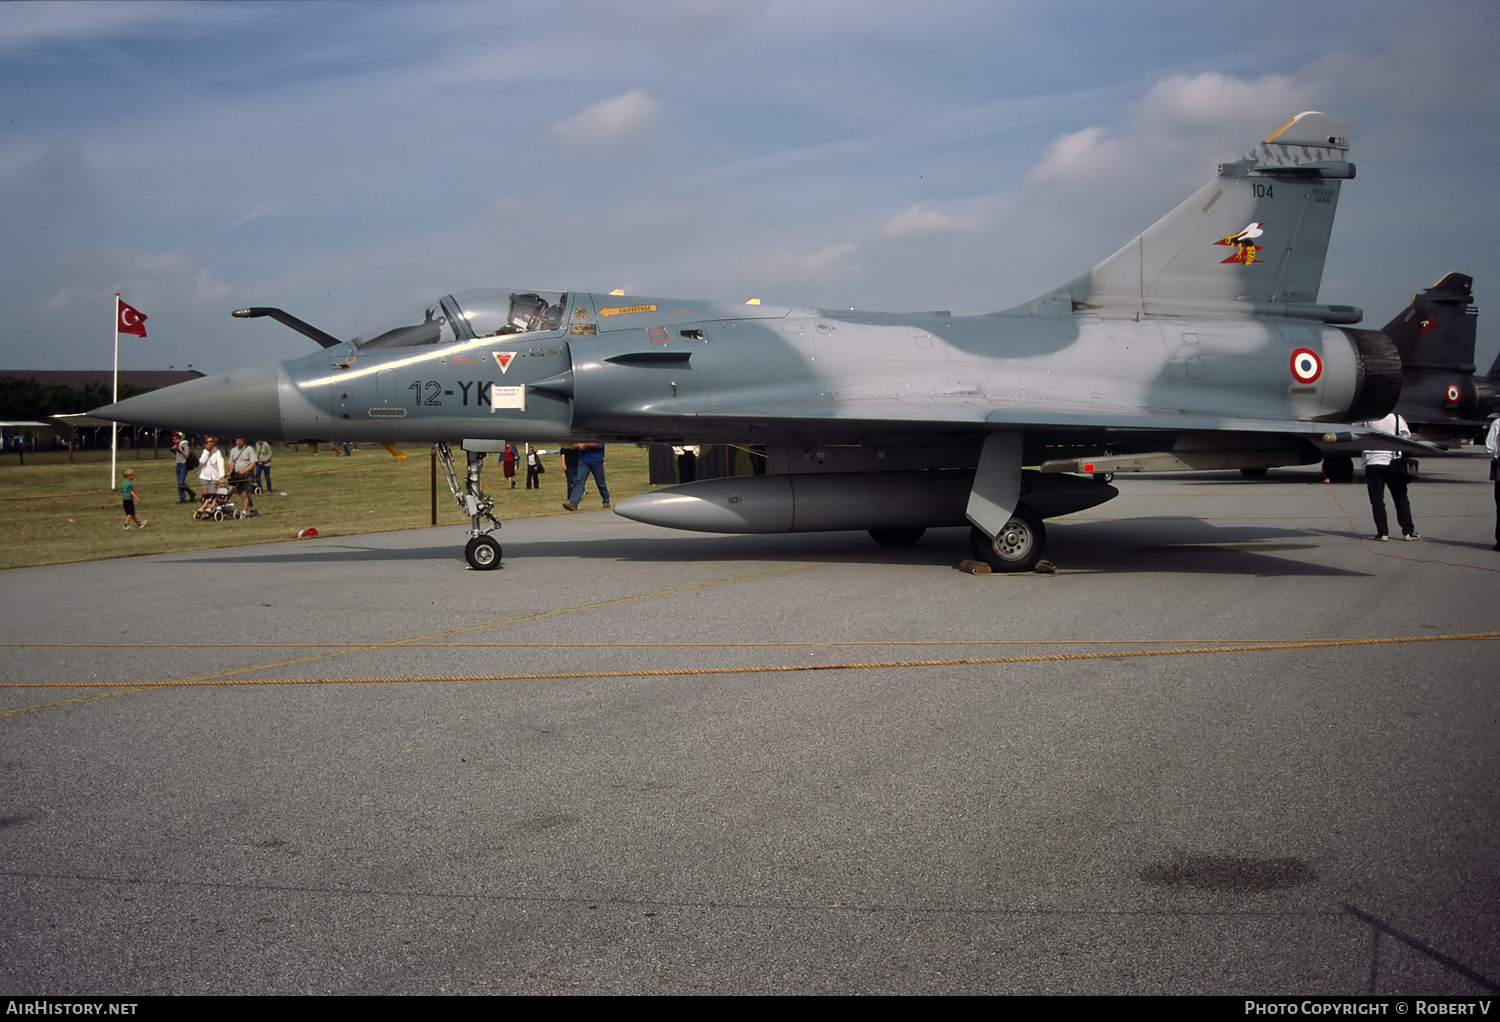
column 1453, row 394
column 1306, row 365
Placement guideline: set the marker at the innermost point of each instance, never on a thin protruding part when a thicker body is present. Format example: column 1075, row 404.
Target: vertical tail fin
column 1440, row 395
column 1252, row 240
column 1438, row 329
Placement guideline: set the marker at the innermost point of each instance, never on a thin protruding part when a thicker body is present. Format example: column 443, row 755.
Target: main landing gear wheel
column 1019, row 545
column 896, row 537
column 483, row 553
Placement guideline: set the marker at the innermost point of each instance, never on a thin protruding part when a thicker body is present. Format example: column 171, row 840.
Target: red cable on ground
column 1378, row 553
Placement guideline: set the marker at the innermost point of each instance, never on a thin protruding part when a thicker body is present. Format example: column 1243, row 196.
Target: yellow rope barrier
column 774, row 669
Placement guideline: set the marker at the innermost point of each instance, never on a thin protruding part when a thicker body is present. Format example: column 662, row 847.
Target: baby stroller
column 218, row 506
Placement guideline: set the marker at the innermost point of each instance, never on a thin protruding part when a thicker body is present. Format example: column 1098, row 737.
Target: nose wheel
column 483, row 553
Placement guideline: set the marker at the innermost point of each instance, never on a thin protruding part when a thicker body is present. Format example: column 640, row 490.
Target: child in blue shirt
column 127, row 491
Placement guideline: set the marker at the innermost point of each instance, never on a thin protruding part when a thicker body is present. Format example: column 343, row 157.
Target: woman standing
column 210, row 466
column 508, row 463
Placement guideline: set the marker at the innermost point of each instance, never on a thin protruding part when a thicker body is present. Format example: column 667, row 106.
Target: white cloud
column 619, row 119
column 826, row 261
column 1079, row 156
column 1213, row 103
column 923, row 221
column 1182, row 118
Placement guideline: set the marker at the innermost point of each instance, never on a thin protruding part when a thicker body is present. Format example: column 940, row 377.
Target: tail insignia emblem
column 1244, row 242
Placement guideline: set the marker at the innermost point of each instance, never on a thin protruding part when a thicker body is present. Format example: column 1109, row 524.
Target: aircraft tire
column 1105, row 477
column 1019, row 545
column 896, row 537
column 483, row 553
column 1338, row 468
column 1254, row 473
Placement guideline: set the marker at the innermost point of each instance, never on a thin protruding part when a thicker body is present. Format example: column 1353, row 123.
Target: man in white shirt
column 1387, row 469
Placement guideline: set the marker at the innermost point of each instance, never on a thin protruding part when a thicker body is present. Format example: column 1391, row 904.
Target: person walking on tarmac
column 590, row 462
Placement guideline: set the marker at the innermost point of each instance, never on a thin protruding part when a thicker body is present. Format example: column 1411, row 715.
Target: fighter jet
column 1166, row 354
column 1442, row 401
column 1441, row 396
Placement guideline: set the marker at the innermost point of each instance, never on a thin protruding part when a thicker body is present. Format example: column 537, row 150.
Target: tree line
column 29, row 400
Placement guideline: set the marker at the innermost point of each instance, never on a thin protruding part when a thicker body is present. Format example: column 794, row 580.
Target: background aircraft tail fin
column 1252, row 240
column 1435, row 334
column 1438, row 329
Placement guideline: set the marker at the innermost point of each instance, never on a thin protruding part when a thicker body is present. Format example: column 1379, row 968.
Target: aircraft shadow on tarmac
column 1428, row 541
column 1156, row 545
column 1380, row 926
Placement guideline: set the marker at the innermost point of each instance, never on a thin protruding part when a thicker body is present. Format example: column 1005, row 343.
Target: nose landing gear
column 483, row 550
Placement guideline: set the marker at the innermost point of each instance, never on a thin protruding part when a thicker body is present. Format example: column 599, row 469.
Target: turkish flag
column 132, row 321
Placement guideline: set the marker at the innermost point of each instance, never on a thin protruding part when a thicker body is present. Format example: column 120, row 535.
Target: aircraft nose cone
column 242, row 402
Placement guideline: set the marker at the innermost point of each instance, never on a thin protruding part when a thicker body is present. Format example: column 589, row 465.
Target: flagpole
column 114, row 397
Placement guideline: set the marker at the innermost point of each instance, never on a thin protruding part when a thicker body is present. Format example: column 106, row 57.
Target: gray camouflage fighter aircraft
column 1198, row 345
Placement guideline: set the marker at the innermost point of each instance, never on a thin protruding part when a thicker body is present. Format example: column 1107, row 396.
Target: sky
column 350, row 162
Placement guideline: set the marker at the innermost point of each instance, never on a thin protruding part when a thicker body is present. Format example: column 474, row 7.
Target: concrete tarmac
column 349, row 787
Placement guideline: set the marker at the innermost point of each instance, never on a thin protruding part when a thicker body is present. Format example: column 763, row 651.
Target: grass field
column 56, row 512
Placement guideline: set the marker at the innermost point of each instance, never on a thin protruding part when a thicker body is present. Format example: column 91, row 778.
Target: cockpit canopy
column 468, row 315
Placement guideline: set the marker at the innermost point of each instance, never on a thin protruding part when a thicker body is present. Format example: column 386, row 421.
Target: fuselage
column 622, row 368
